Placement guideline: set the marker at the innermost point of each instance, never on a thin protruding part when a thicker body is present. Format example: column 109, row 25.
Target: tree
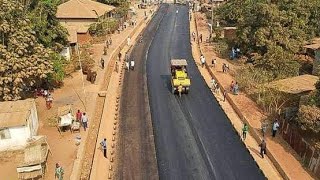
column 47, row 27
column 309, row 118
column 275, row 30
column 113, row 2
column 23, row 61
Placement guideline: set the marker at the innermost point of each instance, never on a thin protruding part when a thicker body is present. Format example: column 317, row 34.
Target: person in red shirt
column 78, row 116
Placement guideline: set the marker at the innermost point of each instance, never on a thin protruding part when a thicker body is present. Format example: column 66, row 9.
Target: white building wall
column 19, row 136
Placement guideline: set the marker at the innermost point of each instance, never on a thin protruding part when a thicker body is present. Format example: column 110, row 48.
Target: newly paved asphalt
column 194, row 138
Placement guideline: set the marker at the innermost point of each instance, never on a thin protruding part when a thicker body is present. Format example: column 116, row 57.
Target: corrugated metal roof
column 84, row 9
column 295, row 85
column 15, row 113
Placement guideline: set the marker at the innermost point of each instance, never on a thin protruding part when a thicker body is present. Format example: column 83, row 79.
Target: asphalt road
column 194, row 138
column 137, row 156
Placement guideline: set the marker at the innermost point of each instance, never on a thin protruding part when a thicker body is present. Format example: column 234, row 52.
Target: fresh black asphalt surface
column 194, row 138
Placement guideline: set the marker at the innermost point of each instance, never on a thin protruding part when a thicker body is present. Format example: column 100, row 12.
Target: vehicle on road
column 180, row 81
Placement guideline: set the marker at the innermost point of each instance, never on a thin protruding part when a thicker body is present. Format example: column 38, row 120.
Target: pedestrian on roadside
column 213, row 83
column 110, row 40
column 78, row 115
column 127, row 65
column 132, row 64
column 126, row 56
column 58, row 172
column 102, row 63
column 119, row 56
column 203, row 60
column 223, row 67
column 84, row 120
column 116, row 67
column 236, row 88
column 224, row 95
column 49, row 100
column 128, row 41
column 231, row 86
column 275, row 127
column 103, row 144
column 194, row 36
column 244, row 131
column 264, row 127
column 200, row 37
column 263, row 148
column 217, row 89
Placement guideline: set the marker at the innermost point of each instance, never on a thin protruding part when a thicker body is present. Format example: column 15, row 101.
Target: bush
column 59, row 64
column 103, row 27
column 309, row 118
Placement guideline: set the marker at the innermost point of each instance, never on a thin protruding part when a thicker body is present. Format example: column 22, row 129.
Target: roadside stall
column 66, row 119
column 34, row 162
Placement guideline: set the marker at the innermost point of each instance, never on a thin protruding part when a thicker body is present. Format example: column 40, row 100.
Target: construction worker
column 180, row 89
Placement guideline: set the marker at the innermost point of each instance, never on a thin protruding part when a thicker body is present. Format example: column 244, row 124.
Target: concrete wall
column 19, row 136
column 66, row 53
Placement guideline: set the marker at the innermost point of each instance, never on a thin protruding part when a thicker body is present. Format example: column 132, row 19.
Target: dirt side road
column 137, row 157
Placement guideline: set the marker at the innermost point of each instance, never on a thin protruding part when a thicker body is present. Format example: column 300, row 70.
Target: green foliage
column 103, row 27
column 275, row 30
column 317, row 94
column 309, row 118
column 23, row 61
column 58, row 73
column 44, row 22
column 113, row 2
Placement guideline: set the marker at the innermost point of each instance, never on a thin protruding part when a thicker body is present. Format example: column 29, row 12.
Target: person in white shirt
column 203, row 60
column 132, row 64
column 84, row 120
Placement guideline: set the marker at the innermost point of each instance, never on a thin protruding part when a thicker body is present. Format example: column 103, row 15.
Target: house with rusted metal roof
column 18, row 123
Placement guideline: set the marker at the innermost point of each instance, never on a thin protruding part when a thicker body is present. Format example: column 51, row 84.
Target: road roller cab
column 180, row 81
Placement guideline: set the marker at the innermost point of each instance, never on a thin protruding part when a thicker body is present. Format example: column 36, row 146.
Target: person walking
column 203, row 60
column 119, row 56
column 275, row 127
column 102, row 63
column 132, row 64
column 213, row 84
column 194, row 36
column 116, row 67
column 224, row 95
column 49, row 100
column 264, row 127
column 58, row 172
column 263, row 148
column 84, row 120
column 103, row 144
column 78, row 116
column 245, row 131
column 200, row 37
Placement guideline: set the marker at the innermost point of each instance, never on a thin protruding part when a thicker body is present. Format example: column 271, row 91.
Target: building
column 313, row 50
column 77, row 16
column 18, row 123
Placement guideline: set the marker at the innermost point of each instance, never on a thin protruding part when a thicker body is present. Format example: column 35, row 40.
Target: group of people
column 83, row 119
column 264, row 125
column 234, row 88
